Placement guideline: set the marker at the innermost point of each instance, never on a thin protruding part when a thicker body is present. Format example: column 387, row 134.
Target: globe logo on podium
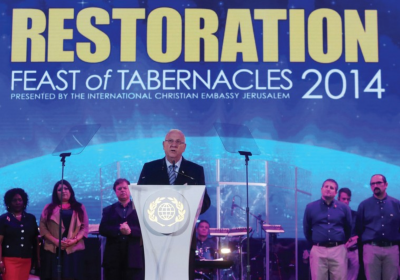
column 166, row 211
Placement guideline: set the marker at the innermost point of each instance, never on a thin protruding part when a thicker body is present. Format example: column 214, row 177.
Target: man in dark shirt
column 378, row 225
column 206, row 248
column 352, row 249
column 123, row 254
column 327, row 226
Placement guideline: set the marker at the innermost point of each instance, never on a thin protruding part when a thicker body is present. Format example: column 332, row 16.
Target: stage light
column 225, row 251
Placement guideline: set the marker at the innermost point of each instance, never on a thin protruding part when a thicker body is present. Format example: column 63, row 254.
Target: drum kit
column 232, row 265
column 225, row 264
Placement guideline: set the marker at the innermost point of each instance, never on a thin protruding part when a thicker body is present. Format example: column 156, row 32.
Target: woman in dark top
column 18, row 237
column 75, row 227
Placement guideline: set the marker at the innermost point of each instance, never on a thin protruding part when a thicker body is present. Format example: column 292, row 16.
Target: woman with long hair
column 18, row 237
column 74, row 228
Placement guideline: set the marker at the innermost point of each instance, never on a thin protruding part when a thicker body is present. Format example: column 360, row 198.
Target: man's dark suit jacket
column 156, row 173
column 109, row 227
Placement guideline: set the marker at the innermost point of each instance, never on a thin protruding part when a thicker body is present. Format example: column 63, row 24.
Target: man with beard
column 378, row 225
column 327, row 226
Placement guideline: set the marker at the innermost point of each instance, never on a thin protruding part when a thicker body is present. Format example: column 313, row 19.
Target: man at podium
column 174, row 169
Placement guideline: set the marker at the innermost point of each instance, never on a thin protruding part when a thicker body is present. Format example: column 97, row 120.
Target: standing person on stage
column 75, row 227
column 18, row 237
column 352, row 250
column 123, row 255
column 327, row 225
column 378, row 225
column 161, row 172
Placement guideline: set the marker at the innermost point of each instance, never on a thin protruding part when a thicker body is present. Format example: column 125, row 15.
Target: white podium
column 167, row 216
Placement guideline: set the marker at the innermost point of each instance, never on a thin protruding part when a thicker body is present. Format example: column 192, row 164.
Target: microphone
column 233, row 205
column 182, row 173
column 187, row 176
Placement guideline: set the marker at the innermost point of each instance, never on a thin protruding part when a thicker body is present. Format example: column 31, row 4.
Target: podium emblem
column 166, row 211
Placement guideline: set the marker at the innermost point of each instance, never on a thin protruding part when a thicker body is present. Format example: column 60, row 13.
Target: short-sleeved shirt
column 20, row 237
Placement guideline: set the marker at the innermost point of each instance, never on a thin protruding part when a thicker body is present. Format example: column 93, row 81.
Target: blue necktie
column 171, row 174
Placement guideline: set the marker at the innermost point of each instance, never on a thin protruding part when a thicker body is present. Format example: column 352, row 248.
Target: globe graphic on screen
column 166, row 211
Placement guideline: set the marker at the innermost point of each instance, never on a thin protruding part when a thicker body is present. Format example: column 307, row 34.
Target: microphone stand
column 258, row 218
column 59, row 265
column 247, row 154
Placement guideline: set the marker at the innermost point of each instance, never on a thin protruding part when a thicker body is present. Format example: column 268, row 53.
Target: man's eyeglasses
column 376, row 183
column 177, row 142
